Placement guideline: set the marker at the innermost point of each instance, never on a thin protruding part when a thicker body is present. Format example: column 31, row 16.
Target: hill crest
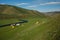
column 18, row 11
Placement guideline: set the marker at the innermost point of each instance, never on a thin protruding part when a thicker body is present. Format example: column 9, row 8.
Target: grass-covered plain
column 27, row 31
column 38, row 27
column 35, row 29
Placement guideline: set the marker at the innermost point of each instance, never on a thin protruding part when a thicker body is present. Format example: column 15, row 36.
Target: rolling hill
column 17, row 12
column 39, row 26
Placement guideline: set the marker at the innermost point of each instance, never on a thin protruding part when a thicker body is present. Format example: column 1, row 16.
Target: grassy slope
column 25, row 32
column 8, row 11
column 31, row 31
column 47, row 29
column 7, row 21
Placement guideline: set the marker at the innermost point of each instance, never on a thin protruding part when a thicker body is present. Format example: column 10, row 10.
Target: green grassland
column 38, row 27
column 7, row 33
column 45, row 30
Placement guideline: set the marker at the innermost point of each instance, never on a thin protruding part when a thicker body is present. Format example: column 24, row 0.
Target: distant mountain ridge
column 52, row 13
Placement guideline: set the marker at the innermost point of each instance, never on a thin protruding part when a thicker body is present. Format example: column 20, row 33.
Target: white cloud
column 49, row 3
column 57, row 9
column 33, row 6
column 21, row 4
column 2, row 3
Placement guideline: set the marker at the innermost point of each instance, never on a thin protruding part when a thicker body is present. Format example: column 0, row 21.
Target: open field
column 39, row 26
column 35, row 29
column 26, row 31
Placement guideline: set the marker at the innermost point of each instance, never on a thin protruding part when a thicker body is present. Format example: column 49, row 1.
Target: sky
column 39, row 5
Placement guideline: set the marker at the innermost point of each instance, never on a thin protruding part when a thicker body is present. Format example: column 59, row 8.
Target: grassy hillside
column 8, row 11
column 25, row 31
column 45, row 29
column 39, row 26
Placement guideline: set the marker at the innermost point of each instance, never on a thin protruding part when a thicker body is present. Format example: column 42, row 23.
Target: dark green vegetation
column 39, row 26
